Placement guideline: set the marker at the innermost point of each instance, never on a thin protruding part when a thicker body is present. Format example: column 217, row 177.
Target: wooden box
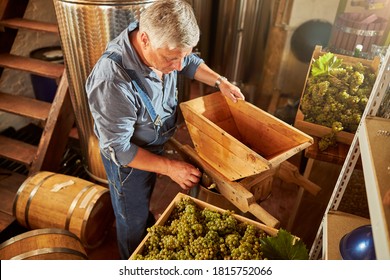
column 166, row 214
column 239, row 139
column 320, row 130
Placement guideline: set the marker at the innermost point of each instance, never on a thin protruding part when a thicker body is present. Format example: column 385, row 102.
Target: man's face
column 166, row 60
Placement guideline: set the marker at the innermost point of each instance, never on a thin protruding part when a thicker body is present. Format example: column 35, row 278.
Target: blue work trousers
column 130, row 191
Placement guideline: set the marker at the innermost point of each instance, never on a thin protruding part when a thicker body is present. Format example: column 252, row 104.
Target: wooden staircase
column 55, row 118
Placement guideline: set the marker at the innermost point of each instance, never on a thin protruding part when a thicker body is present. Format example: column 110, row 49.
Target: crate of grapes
column 334, row 96
column 239, row 139
column 190, row 229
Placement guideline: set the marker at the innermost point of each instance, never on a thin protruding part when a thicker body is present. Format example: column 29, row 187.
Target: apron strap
column 135, row 80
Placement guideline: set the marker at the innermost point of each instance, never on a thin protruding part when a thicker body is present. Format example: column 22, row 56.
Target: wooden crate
column 165, row 215
column 239, row 139
column 320, row 130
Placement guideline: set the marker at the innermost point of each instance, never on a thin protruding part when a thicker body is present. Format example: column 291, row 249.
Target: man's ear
column 144, row 40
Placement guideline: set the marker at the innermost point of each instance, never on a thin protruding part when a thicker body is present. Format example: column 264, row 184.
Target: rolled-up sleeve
column 114, row 114
column 190, row 65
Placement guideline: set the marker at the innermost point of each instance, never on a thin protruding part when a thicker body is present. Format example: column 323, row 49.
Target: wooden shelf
column 336, row 225
column 374, row 138
column 21, row 23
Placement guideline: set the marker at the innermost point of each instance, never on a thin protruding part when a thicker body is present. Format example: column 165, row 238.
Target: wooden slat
column 5, row 220
column 31, row 65
column 17, row 151
column 20, row 23
column 56, row 134
column 24, row 106
column 333, row 154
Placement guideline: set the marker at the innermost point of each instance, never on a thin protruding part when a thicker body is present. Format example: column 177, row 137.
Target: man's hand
column 231, row 91
column 184, row 174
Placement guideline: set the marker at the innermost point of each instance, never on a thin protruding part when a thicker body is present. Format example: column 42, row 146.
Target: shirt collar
column 130, row 56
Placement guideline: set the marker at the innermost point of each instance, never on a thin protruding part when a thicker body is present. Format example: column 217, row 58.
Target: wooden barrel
column 51, row 200
column 351, row 29
column 43, row 244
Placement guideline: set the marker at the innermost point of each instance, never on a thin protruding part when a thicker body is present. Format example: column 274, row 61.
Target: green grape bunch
column 336, row 94
column 192, row 233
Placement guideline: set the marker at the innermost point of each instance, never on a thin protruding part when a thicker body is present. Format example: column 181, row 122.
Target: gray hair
column 170, row 23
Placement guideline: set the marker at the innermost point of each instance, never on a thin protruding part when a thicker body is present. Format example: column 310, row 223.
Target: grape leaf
column 324, row 63
column 284, row 246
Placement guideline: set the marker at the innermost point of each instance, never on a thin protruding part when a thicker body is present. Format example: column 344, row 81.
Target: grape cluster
column 192, row 233
column 339, row 96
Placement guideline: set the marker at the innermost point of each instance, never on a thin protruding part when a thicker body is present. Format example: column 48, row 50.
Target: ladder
column 378, row 93
column 56, row 118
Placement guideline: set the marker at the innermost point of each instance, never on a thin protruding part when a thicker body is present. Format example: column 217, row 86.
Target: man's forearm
column 145, row 160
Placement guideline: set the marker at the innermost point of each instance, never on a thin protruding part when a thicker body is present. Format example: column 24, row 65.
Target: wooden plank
column 21, row 23
column 289, row 173
column 17, row 151
column 264, row 133
column 24, row 106
column 55, row 136
column 31, row 65
column 321, row 131
column 334, row 154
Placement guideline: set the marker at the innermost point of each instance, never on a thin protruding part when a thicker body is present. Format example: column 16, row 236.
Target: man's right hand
column 184, row 174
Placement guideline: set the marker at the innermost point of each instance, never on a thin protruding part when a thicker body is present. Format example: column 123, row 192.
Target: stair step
column 16, row 150
column 32, row 65
column 20, row 23
column 24, row 106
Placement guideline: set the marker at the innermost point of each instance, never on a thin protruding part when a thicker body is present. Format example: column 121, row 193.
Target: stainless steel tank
column 240, row 38
column 85, row 29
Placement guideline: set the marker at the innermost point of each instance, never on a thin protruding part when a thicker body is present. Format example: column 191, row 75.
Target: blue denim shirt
column 121, row 121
